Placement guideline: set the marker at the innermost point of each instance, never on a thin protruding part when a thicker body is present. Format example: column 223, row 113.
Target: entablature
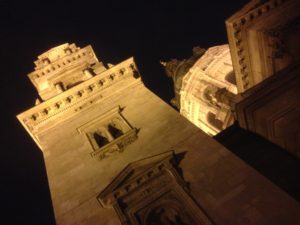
column 86, row 92
column 45, row 78
column 151, row 191
column 81, row 55
column 256, row 52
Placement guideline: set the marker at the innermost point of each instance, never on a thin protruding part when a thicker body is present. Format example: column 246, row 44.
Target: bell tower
column 115, row 153
column 63, row 67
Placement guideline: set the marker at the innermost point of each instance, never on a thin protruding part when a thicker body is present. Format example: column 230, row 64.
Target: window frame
column 101, row 123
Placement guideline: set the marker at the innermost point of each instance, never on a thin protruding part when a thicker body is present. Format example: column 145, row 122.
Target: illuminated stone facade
column 208, row 77
column 201, row 88
column 115, row 153
column 264, row 43
column 271, row 109
column 234, row 83
column 263, row 38
column 63, row 67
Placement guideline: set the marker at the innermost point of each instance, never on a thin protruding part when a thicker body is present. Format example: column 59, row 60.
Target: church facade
column 253, row 80
column 199, row 89
column 116, row 154
column 263, row 38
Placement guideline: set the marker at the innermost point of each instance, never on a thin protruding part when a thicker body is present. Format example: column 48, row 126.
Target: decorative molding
column 77, row 94
column 151, row 191
column 55, row 67
column 201, row 100
column 257, row 109
column 236, row 26
column 277, row 36
column 117, row 145
column 128, row 134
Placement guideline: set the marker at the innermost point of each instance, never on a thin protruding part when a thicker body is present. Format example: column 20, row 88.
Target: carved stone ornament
column 151, row 191
column 108, row 133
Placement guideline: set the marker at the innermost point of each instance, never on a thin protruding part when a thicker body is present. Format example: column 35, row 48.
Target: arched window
column 209, row 95
column 68, row 51
column 108, row 133
column 114, row 130
column 46, row 61
column 100, row 139
column 211, row 119
column 230, row 77
column 168, row 214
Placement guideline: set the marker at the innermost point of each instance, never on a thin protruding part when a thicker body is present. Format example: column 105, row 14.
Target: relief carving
column 79, row 96
column 282, row 40
column 151, row 191
column 238, row 26
column 108, row 133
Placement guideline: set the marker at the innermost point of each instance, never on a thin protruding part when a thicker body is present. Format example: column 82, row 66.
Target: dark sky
column 148, row 30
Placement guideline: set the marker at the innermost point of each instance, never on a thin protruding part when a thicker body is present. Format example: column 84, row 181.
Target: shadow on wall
column 275, row 163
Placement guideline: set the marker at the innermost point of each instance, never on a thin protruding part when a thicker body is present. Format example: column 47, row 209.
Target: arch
column 100, row 139
column 114, row 130
column 167, row 213
column 46, row 61
column 209, row 95
column 230, row 77
column 211, row 119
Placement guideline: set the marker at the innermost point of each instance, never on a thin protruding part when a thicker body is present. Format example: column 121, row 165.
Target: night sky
column 148, row 30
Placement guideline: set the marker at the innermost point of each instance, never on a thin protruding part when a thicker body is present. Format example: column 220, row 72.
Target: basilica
column 116, row 154
column 252, row 80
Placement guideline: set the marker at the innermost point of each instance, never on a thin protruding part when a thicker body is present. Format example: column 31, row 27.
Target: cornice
column 78, row 94
column 238, row 44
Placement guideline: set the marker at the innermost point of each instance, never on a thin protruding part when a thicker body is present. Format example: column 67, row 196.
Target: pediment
column 148, row 187
column 135, row 170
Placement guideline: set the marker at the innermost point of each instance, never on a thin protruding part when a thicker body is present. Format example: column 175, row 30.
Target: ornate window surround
column 152, row 186
column 100, row 125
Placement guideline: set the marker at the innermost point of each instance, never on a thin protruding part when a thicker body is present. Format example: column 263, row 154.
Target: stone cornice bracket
column 78, row 96
column 237, row 26
column 148, row 184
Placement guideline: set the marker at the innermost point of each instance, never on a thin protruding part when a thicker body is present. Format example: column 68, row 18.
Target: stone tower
column 115, row 153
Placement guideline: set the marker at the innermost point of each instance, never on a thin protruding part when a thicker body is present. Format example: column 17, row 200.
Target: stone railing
column 117, row 145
